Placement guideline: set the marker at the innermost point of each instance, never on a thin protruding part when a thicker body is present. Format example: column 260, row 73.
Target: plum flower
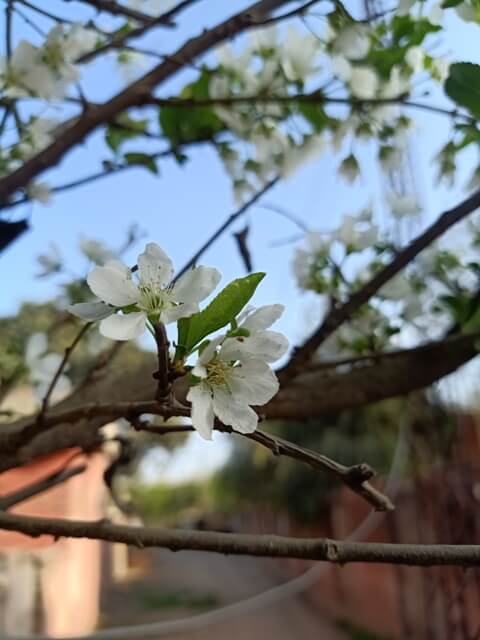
column 149, row 297
column 43, row 366
column 233, row 374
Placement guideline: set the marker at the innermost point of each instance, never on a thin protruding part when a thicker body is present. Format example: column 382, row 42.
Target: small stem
column 162, row 375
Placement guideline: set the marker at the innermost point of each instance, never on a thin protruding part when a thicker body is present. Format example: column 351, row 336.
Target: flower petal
column 202, row 410
column 254, row 382
column 123, row 327
column 113, row 284
column 266, row 345
column 37, row 345
column 234, row 413
column 180, row 311
column 196, row 284
column 154, row 266
column 91, row 311
column 263, row 317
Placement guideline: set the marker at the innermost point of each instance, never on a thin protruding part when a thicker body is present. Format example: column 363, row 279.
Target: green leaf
column 315, row 114
column 221, row 311
column 186, row 124
column 143, row 159
column 447, row 4
column 124, row 128
column 463, row 86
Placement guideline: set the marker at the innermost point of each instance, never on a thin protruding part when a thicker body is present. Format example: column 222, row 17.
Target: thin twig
column 270, row 546
column 224, row 226
column 61, row 367
column 45, row 484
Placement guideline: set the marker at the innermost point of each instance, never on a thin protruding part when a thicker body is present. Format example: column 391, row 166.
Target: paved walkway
column 205, row 581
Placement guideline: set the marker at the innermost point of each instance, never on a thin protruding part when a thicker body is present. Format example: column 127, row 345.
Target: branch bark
column 134, row 95
column 324, row 549
column 339, row 314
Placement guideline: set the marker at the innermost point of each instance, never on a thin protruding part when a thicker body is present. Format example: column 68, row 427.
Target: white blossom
column 466, row 12
column 352, row 42
column 415, row 57
column 341, row 67
column 404, row 206
column 39, row 191
column 363, row 82
column 233, row 374
column 50, row 262
column 351, row 235
column 298, row 53
column 404, row 7
column 150, row 296
column 43, row 366
column 435, row 15
column 95, row 250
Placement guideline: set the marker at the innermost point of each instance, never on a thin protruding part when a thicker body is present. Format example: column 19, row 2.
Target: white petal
column 123, row 327
column 154, row 266
column 113, row 284
column 196, row 284
column 266, row 345
column 254, row 382
column 263, row 317
column 45, row 368
column 37, row 345
column 233, row 413
column 91, row 311
column 180, row 311
column 209, row 351
column 202, row 410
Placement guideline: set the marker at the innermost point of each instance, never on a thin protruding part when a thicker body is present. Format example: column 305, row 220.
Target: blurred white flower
column 39, row 191
column 404, row 7
column 415, row 57
column 403, row 206
column 363, row 82
column 95, row 250
column 50, row 262
column 352, row 42
column 43, row 366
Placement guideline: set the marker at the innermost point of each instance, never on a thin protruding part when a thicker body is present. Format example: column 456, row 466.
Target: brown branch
column 54, row 479
column 316, row 97
column 112, row 7
column 356, row 477
column 162, row 374
column 134, row 95
column 339, row 314
column 75, row 422
column 271, row 546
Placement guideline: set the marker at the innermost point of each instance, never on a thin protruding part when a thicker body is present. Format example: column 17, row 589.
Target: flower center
column 218, row 373
column 153, row 299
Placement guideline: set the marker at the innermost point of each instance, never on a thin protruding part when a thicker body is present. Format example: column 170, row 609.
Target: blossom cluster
column 232, row 370
column 48, row 70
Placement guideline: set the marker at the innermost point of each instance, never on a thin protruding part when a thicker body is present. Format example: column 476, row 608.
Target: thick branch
column 270, row 546
column 76, row 420
column 340, row 314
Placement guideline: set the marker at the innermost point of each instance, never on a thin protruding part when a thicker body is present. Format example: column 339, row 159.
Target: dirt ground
column 189, row 583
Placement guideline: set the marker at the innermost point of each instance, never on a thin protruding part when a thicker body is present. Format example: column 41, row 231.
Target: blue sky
column 180, row 208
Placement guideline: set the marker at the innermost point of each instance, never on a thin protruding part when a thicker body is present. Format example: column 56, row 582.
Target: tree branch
column 271, row 546
column 112, row 7
column 339, row 314
column 54, row 479
column 134, row 95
